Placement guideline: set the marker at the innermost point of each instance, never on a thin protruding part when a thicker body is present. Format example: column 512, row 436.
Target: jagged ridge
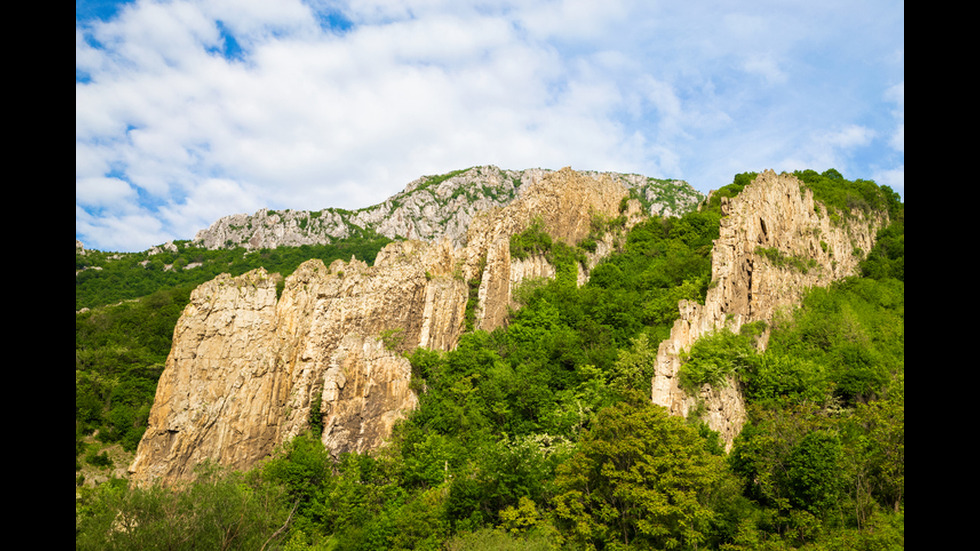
column 430, row 207
column 248, row 369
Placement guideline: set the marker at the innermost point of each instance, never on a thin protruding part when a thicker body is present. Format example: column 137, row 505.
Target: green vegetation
column 434, row 181
column 107, row 278
column 540, row 435
column 716, row 357
column 840, row 195
column 532, row 241
column 732, row 189
column 780, row 259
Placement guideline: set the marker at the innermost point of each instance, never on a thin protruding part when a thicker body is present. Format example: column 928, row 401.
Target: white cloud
column 896, row 95
column 212, row 199
column 103, row 192
column 311, row 117
column 850, row 137
column 119, row 231
column 893, row 178
column 766, row 67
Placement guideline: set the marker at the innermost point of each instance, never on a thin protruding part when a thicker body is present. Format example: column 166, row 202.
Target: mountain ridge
column 429, row 207
column 379, row 380
column 250, row 367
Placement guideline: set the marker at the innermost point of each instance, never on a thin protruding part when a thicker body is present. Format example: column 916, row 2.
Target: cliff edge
column 249, row 369
column 775, row 243
column 257, row 359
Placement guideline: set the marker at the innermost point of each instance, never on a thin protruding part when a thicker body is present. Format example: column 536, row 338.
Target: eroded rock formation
column 248, row 370
column 775, row 243
column 429, row 208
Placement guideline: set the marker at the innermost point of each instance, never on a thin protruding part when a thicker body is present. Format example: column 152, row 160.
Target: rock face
column 430, row 208
column 775, row 243
column 248, row 370
column 226, row 405
column 257, row 360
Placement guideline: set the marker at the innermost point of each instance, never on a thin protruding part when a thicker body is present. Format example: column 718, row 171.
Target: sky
column 190, row 110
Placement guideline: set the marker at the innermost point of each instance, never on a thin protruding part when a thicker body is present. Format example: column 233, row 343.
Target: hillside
column 541, row 382
column 430, row 207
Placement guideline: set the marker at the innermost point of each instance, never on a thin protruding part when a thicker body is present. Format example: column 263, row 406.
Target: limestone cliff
column 775, row 243
column 257, row 359
column 429, row 208
column 226, row 405
column 248, row 370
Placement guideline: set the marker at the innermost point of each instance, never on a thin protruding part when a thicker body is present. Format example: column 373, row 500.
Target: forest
column 541, row 434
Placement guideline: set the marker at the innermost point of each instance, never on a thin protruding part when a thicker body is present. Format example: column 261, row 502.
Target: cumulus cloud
column 103, row 192
column 188, row 110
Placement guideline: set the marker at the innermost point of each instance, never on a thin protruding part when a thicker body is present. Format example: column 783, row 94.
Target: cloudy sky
column 188, row 110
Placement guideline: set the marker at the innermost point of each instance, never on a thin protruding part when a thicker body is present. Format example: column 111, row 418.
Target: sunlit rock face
column 775, row 243
column 257, row 360
column 430, row 208
column 249, row 369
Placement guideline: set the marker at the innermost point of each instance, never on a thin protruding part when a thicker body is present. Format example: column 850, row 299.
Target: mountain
column 429, row 207
column 775, row 244
column 574, row 372
column 248, row 370
column 251, row 369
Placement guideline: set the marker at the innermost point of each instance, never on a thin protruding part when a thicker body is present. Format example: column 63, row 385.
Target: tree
column 217, row 511
column 640, row 480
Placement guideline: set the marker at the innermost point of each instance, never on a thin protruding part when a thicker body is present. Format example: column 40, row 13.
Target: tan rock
column 224, row 408
column 247, row 371
column 773, row 218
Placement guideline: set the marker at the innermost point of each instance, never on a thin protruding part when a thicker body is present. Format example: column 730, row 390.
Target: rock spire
column 775, row 243
column 249, row 369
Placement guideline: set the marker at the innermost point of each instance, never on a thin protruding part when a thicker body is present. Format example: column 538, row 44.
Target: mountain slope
column 430, row 207
column 510, row 426
column 250, row 370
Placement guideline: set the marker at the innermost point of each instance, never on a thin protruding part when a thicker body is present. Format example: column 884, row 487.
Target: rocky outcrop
column 257, row 359
column 775, row 243
column 429, row 208
column 219, row 394
column 248, row 370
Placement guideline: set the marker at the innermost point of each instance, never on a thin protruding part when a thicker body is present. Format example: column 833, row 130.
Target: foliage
column 887, row 259
column 119, row 356
column 851, row 334
column 842, row 196
column 103, row 278
column 218, row 512
column 732, row 189
column 640, row 480
column 715, row 358
column 781, row 259
column 540, row 435
column 532, row 241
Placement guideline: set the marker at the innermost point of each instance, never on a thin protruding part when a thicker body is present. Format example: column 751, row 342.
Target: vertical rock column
column 775, row 243
column 218, row 397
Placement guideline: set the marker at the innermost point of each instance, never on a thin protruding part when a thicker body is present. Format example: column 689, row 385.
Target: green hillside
column 540, row 435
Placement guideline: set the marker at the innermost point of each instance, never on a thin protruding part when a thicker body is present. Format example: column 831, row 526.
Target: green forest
column 541, row 435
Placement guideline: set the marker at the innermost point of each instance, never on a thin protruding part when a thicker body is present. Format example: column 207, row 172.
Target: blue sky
column 186, row 111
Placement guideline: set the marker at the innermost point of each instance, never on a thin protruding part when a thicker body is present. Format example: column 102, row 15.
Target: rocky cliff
column 429, row 208
column 775, row 243
column 257, row 359
column 248, row 370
